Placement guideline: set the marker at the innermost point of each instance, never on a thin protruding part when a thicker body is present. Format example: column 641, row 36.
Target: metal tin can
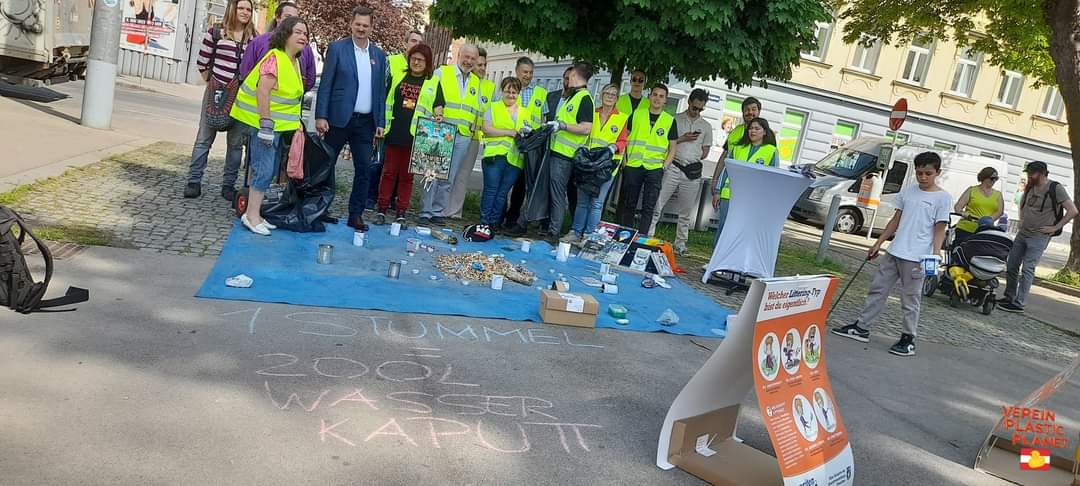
column 394, row 271
column 325, row 255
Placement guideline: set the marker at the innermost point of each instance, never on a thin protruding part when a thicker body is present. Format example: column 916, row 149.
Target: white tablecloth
column 761, row 198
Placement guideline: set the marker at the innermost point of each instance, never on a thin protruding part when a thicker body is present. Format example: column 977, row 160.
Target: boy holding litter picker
column 922, row 214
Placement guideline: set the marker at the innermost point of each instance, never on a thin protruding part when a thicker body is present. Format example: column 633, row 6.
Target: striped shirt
column 225, row 58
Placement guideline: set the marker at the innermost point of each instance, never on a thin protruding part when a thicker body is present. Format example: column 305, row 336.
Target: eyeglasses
column 637, row 80
column 696, row 109
column 609, row 93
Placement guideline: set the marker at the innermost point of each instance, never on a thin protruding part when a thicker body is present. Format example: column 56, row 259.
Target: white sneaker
column 259, row 229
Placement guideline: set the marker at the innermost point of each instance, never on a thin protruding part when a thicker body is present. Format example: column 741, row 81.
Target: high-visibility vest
column 624, row 106
column 421, row 109
column 461, row 109
column 648, row 143
column 284, row 99
column 607, row 133
column 563, row 142
column 763, row 155
column 487, row 92
column 398, row 66
column 500, row 118
column 536, row 106
column 425, row 104
column 733, row 140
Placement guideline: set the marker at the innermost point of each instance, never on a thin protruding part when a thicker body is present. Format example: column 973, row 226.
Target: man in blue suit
column 351, row 104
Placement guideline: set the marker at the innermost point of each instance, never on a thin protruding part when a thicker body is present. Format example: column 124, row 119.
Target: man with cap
column 1045, row 209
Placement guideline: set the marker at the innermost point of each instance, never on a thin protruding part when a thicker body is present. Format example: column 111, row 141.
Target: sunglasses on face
column 637, row 80
column 696, row 109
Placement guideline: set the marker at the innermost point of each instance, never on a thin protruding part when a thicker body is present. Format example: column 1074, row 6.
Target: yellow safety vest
column 487, row 92
column 425, row 104
column 284, row 99
column 607, row 133
column 461, row 109
column 648, row 143
column 421, row 108
column 563, row 142
column 500, row 118
column 763, row 156
column 398, row 66
column 536, row 106
column 624, row 106
column 733, row 140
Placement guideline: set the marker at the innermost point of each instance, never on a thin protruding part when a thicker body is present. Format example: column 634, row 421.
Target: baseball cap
column 1037, row 166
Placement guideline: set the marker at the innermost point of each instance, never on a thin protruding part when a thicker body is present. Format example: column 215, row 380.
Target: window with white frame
column 822, row 32
column 991, row 155
column 967, row 70
column 1053, row 106
column 944, row 146
column 1009, row 92
column 866, row 55
column 901, row 138
column 917, row 62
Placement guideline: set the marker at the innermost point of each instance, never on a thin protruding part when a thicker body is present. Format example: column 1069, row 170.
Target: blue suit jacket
column 338, row 85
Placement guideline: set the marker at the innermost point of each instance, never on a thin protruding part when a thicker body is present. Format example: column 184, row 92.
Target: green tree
column 691, row 39
column 1034, row 37
column 328, row 21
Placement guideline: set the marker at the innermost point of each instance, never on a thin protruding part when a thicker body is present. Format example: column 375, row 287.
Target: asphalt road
column 146, row 384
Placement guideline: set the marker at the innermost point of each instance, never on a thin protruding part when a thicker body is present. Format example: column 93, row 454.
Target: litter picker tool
column 842, row 292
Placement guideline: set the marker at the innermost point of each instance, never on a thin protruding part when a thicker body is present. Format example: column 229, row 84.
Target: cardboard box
column 568, row 309
column 705, row 447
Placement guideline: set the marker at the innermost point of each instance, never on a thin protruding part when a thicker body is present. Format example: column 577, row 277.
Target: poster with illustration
column 800, row 413
column 432, row 148
column 608, row 243
column 150, row 26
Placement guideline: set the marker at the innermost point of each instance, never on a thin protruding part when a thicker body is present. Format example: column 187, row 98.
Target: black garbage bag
column 534, row 149
column 304, row 202
column 592, row 168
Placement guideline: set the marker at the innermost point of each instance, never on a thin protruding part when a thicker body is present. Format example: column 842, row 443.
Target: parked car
column 841, row 173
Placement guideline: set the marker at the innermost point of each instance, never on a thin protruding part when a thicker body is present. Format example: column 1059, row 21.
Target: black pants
column 638, row 181
column 517, row 200
column 359, row 133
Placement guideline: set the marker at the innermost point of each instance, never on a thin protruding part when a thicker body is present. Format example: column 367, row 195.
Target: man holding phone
column 683, row 176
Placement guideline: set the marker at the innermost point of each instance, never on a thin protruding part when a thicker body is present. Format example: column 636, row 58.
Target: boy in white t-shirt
column 922, row 213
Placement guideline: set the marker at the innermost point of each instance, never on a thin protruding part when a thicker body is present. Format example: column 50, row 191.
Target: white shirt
column 363, row 78
column 920, row 211
column 462, row 79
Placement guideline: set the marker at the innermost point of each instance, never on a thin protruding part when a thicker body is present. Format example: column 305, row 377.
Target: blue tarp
column 284, row 270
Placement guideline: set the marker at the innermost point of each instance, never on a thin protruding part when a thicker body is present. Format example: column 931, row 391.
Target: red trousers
column 396, row 173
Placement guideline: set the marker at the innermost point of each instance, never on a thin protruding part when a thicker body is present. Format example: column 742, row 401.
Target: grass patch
column 1067, row 277
column 82, row 235
column 794, row 260
column 15, row 195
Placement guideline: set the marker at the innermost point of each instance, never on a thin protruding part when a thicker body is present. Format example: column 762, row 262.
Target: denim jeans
column 263, row 159
column 1026, row 252
column 234, row 152
column 499, row 177
column 590, row 208
column 721, row 216
column 359, row 133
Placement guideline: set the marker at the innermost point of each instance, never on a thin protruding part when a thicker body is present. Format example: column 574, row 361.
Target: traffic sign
column 898, row 115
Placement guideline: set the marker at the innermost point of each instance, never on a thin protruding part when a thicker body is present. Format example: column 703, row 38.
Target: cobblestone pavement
column 137, row 197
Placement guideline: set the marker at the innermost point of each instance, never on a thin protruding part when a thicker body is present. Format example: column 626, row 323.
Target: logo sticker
column 614, row 129
column 472, row 90
column 569, row 108
column 483, row 99
column 660, row 132
column 538, row 103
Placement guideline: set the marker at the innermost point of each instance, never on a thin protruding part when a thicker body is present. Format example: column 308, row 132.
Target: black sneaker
column 425, row 221
column 516, row 230
column 192, row 190
column 228, row 193
column 1011, row 307
column 438, row 221
column 380, row 218
column 904, row 347
column 1004, row 300
column 852, row 331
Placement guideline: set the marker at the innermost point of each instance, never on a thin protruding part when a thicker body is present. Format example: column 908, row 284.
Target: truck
column 44, row 41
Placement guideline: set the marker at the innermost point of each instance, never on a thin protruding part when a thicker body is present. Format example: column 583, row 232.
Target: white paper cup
column 526, row 245
column 497, row 282
column 395, row 229
column 563, row 253
column 358, row 239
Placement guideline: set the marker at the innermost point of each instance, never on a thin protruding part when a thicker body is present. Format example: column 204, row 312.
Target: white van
column 841, row 173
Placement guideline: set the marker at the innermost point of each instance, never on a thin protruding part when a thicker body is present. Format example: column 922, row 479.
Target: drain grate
column 61, row 250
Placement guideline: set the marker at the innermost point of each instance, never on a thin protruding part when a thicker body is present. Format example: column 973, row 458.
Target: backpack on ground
column 18, row 290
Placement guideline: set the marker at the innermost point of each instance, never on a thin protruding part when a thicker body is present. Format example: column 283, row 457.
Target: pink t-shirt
column 268, row 67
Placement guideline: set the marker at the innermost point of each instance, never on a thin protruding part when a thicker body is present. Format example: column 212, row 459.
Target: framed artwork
column 432, row 148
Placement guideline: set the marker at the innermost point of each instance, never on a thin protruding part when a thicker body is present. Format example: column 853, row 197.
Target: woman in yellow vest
column 608, row 130
column 978, row 202
column 502, row 163
column 758, row 146
column 269, row 104
column 412, row 94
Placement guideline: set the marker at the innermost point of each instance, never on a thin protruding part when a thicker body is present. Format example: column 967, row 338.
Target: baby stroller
column 972, row 268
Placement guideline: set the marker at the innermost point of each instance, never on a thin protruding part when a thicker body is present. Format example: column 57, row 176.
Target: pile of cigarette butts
column 479, row 267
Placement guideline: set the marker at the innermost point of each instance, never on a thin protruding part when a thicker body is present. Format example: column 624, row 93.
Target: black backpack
column 18, row 290
column 1059, row 208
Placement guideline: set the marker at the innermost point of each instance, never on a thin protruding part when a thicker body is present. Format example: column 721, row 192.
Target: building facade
column 956, row 100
